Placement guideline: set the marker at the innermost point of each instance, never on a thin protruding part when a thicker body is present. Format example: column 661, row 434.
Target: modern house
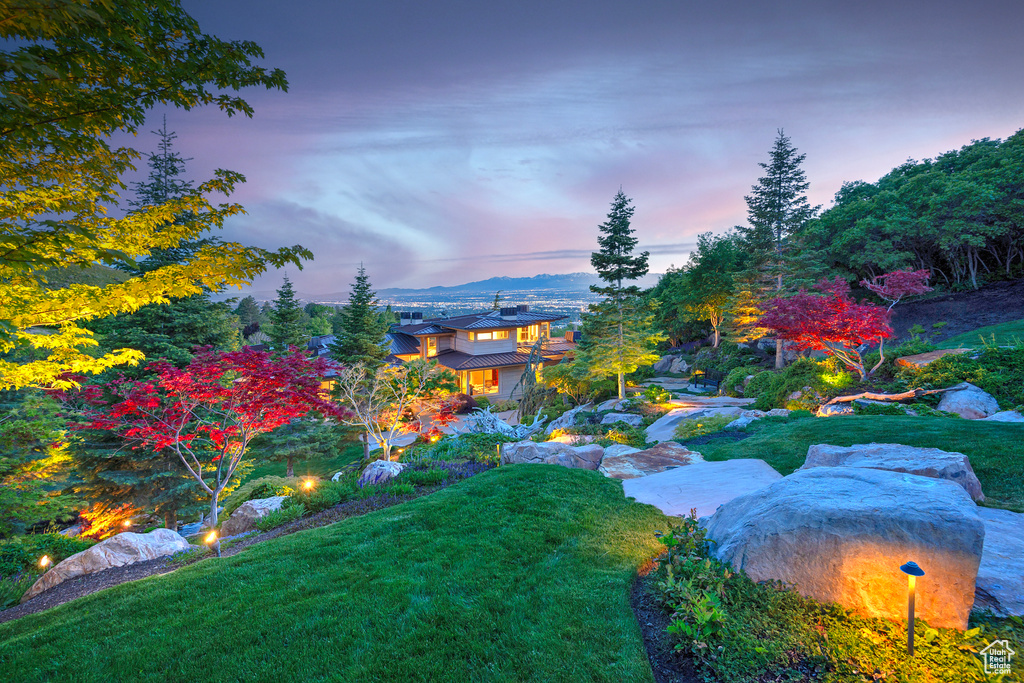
column 488, row 351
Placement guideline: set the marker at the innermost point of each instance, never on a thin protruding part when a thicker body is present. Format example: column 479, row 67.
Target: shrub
column 692, row 428
column 264, row 487
column 13, row 587
column 428, row 477
column 656, row 394
column 22, row 553
column 482, row 448
column 276, row 518
column 630, row 436
column 732, row 385
column 763, row 388
column 998, row 371
column 325, row 494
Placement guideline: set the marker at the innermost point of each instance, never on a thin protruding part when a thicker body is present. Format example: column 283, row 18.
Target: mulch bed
column 667, row 665
column 91, row 583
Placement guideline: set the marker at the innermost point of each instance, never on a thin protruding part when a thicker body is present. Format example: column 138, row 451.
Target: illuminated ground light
column 912, row 571
column 45, row 562
column 308, row 484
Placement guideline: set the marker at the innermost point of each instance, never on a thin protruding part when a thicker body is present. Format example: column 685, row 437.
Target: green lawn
column 995, row 449
column 521, row 573
column 999, row 335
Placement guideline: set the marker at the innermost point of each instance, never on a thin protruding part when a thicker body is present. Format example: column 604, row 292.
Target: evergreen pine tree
column 359, row 338
column 248, row 311
column 777, row 209
column 287, row 324
column 618, row 334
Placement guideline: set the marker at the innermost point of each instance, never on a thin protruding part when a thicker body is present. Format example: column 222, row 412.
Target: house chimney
column 405, row 318
column 417, row 317
column 509, row 313
column 523, row 308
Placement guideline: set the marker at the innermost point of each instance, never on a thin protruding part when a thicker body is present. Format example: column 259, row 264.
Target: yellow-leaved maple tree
column 80, row 74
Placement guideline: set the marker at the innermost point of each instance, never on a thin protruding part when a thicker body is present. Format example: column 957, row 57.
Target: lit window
column 483, row 381
column 489, row 336
column 431, row 347
column 528, row 334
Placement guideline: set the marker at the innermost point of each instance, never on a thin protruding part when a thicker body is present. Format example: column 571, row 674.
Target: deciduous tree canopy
column 76, row 75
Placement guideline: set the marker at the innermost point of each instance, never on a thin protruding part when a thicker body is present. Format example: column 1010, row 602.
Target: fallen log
column 872, row 396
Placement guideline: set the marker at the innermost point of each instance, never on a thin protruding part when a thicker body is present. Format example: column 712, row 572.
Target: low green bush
column 998, row 371
column 481, row 448
column 276, row 518
column 732, row 385
column 428, row 477
column 14, row 586
column 22, row 553
column 763, row 388
column 620, row 433
column 325, row 494
column 701, row 426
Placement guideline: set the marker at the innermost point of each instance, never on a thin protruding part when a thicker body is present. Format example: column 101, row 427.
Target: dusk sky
column 448, row 141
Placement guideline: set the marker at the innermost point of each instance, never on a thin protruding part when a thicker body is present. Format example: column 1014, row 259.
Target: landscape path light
column 912, row 571
column 213, row 541
column 45, row 562
column 308, row 484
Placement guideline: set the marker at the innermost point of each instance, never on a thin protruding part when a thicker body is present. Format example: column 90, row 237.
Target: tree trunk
column 780, row 355
column 171, row 520
column 213, row 509
column 365, row 438
column 716, row 339
column 291, row 467
column 622, row 343
column 387, row 450
column 622, row 385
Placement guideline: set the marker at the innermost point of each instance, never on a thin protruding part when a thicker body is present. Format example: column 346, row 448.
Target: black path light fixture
column 912, row 571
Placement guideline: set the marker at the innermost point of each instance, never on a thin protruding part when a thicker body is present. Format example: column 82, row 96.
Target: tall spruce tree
column 287, row 323
column 777, row 210
column 169, row 330
column 359, row 336
column 618, row 335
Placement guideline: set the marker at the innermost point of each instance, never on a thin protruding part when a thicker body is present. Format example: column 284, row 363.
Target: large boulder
column 613, row 404
column 663, row 364
column 924, row 462
column 1004, row 416
column 833, row 409
column 380, row 472
column 567, row 419
column 117, row 551
column 840, row 534
column 586, row 457
column 969, row 401
column 679, row 366
column 703, row 485
column 628, row 418
column 1000, row 584
column 630, row 465
column 664, row 428
column 740, row 423
column 243, row 520
column 920, row 360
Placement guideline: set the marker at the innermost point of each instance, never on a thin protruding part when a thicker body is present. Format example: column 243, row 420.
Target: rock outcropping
column 116, row 551
column 635, row 463
column 586, row 457
column 840, row 534
column 969, row 401
column 924, row 462
column 243, row 520
column 380, row 472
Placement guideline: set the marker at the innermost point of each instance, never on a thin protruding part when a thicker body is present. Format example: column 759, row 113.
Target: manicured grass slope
column 518, row 574
column 998, row 335
column 996, row 450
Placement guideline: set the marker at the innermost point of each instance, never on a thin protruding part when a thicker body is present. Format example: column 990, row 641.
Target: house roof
column 457, row 360
column 403, row 344
column 489, row 320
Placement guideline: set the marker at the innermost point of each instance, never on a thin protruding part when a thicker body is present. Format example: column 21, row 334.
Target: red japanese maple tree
column 209, row 411
column 832, row 322
column 898, row 285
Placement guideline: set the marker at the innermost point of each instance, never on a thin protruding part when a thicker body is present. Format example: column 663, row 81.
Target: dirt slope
column 1000, row 302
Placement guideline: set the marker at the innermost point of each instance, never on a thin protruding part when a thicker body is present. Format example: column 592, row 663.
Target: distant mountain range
column 567, row 282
